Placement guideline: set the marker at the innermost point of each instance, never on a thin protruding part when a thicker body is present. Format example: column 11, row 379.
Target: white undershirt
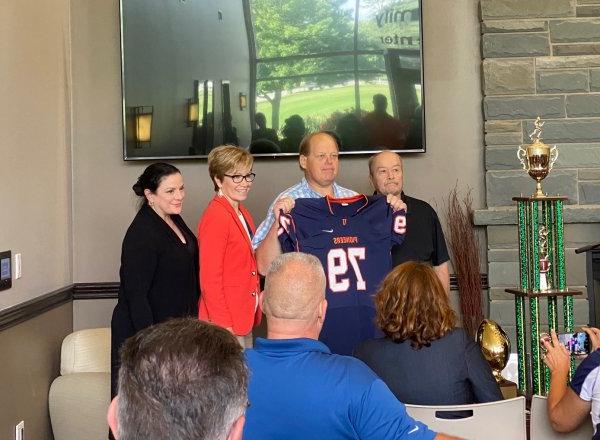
column 245, row 225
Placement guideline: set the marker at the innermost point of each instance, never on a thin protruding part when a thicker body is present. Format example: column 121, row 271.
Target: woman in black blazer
column 424, row 359
column 159, row 261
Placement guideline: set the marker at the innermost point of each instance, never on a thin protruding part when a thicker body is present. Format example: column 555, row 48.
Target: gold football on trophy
column 495, row 346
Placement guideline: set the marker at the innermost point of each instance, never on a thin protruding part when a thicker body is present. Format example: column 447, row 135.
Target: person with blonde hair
column 229, row 281
column 424, row 358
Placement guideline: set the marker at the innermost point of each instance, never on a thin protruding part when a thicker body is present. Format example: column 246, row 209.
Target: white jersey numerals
column 337, row 267
column 400, row 225
column 284, row 225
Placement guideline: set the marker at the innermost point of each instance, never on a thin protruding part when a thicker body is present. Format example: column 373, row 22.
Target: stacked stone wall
column 540, row 58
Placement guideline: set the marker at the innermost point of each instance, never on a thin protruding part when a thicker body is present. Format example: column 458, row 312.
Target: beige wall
column 103, row 201
column 92, row 313
column 30, row 362
column 35, row 167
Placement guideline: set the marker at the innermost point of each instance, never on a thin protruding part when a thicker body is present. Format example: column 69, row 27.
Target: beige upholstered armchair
column 80, row 396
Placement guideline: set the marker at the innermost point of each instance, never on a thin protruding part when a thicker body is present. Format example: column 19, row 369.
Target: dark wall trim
column 95, row 291
column 484, row 282
column 34, row 307
column 111, row 290
column 84, row 291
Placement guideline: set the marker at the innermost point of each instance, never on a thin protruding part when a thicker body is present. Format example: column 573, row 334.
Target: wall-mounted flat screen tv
column 264, row 73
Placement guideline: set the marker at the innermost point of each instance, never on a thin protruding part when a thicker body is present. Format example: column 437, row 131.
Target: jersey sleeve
column 398, row 227
column 263, row 229
column 287, row 234
column 586, row 380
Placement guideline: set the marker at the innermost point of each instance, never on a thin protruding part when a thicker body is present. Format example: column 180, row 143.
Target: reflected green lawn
column 321, row 104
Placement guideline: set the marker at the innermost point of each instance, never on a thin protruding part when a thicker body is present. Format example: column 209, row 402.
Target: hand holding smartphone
column 577, row 343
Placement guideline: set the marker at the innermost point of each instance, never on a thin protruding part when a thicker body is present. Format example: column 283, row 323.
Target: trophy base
column 508, row 389
column 549, row 292
column 545, row 197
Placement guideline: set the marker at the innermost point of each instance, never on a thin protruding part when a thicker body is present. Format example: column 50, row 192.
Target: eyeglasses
column 237, row 178
column 322, row 156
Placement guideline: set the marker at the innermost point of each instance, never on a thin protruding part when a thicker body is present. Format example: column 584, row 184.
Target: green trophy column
column 550, row 225
column 534, row 313
column 562, row 276
column 520, row 300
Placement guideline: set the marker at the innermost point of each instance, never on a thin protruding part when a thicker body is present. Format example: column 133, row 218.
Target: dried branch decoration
column 464, row 253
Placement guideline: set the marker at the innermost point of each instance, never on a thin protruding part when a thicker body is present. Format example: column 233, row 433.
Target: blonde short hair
column 226, row 158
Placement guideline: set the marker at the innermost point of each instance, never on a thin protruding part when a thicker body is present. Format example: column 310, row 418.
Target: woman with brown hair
column 424, row 359
column 159, row 261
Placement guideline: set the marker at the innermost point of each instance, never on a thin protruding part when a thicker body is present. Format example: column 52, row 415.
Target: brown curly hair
column 412, row 305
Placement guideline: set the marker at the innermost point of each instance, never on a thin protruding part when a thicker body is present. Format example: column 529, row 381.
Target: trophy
column 495, row 347
column 537, row 158
column 542, row 272
column 545, row 283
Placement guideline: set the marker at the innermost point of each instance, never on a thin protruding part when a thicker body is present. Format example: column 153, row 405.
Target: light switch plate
column 17, row 266
column 5, row 270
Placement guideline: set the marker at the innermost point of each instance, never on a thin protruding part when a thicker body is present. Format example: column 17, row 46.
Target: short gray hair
column 183, row 379
column 294, row 286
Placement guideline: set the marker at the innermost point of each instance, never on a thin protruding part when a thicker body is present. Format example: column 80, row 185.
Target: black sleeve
column 484, row 386
column 138, row 265
column 439, row 244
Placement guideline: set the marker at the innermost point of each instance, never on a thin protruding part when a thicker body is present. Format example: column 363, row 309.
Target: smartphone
column 577, row 343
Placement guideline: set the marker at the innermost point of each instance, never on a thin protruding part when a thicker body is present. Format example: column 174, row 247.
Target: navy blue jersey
column 352, row 237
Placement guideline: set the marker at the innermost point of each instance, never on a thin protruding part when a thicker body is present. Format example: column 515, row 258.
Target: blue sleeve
column 263, row 228
column 380, row 415
column 287, row 234
column 267, row 223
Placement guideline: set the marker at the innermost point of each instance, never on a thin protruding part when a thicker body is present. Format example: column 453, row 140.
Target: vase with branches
column 464, row 254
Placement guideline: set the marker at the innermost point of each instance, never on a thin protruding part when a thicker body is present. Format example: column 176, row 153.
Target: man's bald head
column 294, row 287
column 385, row 173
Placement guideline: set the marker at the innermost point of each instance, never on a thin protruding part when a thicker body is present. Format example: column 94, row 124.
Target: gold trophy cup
column 495, row 347
column 537, row 158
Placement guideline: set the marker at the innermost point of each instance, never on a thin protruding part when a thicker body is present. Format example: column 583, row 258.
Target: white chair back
column 504, row 419
column 86, row 351
column 78, row 399
column 541, row 429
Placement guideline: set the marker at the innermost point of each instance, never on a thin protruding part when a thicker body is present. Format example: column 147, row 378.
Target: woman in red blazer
column 229, row 280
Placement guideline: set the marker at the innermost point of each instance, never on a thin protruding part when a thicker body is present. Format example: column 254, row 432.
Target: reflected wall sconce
column 243, row 101
column 193, row 112
column 143, row 125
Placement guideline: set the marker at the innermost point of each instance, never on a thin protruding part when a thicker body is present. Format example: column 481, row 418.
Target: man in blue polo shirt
column 300, row 390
